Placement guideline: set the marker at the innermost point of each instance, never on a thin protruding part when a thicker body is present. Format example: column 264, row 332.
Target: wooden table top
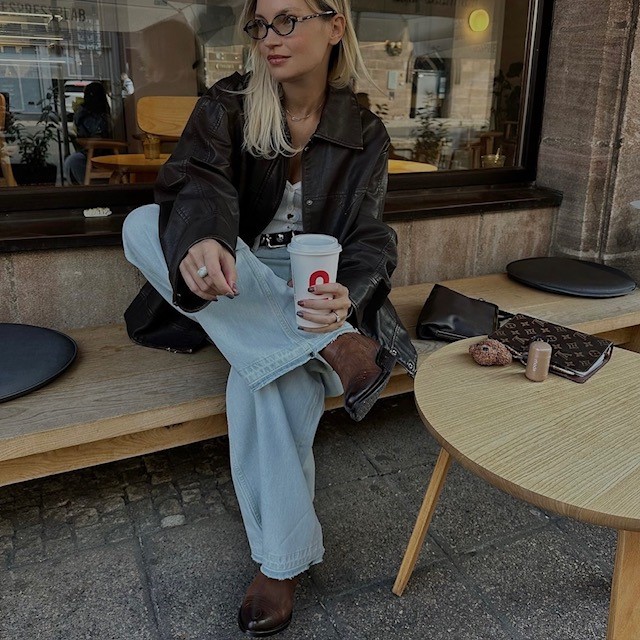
column 130, row 161
column 567, row 447
column 408, row 166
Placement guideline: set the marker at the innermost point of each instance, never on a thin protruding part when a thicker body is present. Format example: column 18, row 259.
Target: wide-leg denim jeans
column 275, row 394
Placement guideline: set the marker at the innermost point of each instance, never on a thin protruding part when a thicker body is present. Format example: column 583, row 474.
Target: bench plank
column 120, row 400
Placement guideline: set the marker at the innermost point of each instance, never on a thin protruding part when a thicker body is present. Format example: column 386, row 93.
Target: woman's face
column 303, row 55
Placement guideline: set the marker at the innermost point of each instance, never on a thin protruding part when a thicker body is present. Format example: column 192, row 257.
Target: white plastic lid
column 314, row 244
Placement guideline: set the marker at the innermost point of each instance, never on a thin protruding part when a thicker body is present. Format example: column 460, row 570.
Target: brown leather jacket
column 212, row 188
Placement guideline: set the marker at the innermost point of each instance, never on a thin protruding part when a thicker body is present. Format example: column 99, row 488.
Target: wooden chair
column 164, row 116
column 90, row 145
column 6, row 172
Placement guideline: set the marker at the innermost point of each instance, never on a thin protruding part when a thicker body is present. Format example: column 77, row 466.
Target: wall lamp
column 478, row 20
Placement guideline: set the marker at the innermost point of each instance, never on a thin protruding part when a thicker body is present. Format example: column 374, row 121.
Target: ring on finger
column 338, row 318
column 203, row 272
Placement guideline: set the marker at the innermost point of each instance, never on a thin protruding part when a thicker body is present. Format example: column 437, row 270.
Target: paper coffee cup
column 314, row 260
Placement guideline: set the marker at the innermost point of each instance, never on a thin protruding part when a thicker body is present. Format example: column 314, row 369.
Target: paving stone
column 543, row 588
column 59, row 548
column 366, row 529
column 6, row 527
column 29, row 537
column 194, row 511
column 55, row 500
column 338, row 457
column 596, row 543
column 311, row 623
column 393, row 436
column 199, row 573
column 115, row 517
column 54, row 516
column 170, row 507
column 64, row 600
column 191, row 495
column 57, row 532
column 28, row 555
column 470, row 512
column 155, row 463
column 112, row 503
column 161, row 477
column 436, row 605
column 26, row 517
column 172, row 521
column 136, row 492
column 118, row 532
column 90, row 536
column 84, row 517
column 162, row 492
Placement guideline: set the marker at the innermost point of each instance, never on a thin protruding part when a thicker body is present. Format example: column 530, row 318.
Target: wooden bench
column 120, row 400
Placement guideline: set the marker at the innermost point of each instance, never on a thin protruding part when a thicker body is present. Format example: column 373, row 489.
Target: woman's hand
column 220, row 276
column 335, row 308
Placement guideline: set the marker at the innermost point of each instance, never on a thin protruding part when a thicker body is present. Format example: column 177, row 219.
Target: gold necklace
column 300, row 118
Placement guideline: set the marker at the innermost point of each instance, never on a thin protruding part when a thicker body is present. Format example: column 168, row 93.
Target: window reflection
column 447, row 84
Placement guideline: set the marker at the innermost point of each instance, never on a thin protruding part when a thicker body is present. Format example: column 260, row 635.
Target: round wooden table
column 566, row 447
column 130, row 167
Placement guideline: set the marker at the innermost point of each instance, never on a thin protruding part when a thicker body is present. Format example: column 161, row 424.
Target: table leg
column 624, row 611
column 422, row 523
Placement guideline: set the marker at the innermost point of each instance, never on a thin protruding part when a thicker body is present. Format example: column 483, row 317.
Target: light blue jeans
column 275, row 395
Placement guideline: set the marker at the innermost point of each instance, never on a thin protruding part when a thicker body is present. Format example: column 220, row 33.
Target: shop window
column 456, row 82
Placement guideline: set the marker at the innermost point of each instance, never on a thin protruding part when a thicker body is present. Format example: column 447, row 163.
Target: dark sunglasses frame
column 257, row 22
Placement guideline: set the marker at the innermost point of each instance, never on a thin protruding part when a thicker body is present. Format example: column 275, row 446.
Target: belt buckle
column 279, row 241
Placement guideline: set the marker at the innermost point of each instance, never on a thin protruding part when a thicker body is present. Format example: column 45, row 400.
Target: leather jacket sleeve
column 369, row 252
column 196, row 193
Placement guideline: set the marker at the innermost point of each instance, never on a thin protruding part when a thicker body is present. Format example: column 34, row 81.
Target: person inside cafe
column 284, row 149
column 92, row 119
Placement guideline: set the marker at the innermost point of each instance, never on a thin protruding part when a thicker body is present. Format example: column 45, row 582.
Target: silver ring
column 338, row 318
column 202, row 272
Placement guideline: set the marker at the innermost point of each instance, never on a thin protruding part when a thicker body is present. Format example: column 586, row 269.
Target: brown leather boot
column 267, row 606
column 364, row 368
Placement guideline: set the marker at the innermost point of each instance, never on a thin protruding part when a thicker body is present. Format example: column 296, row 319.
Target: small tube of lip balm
column 538, row 361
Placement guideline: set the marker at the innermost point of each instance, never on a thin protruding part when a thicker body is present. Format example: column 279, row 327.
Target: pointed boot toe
column 267, row 608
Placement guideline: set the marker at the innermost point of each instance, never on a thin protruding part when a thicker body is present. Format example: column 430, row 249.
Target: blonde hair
column 264, row 123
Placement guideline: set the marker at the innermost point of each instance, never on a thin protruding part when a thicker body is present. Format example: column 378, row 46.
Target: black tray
column 30, row 357
column 571, row 277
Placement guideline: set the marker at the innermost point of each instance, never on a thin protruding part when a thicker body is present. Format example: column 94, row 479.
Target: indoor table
column 130, row 167
column 563, row 446
column 408, row 166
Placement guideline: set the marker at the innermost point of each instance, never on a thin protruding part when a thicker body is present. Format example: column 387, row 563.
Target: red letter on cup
column 318, row 277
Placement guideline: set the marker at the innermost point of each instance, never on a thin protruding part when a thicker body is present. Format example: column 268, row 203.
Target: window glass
column 446, row 74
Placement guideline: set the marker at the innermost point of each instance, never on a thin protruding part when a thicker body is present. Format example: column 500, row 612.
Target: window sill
column 68, row 228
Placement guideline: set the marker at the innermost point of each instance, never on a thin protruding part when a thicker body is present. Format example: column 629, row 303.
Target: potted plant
column 430, row 135
column 33, row 146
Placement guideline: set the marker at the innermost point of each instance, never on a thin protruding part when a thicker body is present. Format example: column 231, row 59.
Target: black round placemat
column 571, row 277
column 30, row 357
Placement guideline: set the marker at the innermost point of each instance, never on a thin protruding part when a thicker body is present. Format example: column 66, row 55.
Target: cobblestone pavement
column 153, row 547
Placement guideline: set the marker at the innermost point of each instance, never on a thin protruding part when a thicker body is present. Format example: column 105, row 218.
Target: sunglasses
column 283, row 24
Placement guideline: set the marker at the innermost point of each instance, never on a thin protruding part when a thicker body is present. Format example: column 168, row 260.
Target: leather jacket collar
column 340, row 122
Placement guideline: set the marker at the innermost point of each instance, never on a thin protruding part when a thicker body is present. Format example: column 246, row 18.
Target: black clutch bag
column 575, row 355
column 449, row 315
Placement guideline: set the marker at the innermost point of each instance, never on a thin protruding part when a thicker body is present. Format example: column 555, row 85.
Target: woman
column 92, row 119
column 285, row 148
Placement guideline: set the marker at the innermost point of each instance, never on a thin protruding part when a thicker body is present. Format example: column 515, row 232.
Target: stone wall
column 590, row 146
column 86, row 287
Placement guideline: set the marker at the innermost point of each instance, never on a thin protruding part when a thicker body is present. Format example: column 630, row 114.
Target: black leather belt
column 275, row 240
